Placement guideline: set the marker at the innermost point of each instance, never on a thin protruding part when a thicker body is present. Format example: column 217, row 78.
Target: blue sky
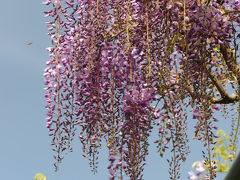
column 25, row 145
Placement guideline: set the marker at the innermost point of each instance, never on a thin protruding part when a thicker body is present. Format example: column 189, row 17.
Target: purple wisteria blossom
column 117, row 68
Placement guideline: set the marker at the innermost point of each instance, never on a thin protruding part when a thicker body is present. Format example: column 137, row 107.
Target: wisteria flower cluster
column 119, row 67
column 201, row 170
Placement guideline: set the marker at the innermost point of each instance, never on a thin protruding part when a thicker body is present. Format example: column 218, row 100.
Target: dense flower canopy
column 118, row 68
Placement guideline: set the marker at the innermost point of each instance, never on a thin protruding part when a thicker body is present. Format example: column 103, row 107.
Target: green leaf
column 40, row 176
column 220, row 142
column 222, row 148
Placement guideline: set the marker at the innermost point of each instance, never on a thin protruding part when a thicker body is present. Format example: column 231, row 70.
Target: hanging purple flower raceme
column 60, row 75
column 118, row 67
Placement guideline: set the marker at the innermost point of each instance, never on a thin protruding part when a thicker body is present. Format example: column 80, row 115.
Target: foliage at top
column 118, row 68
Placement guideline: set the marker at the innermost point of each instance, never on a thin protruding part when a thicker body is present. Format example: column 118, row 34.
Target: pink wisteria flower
column 118, row 68
column 47, row 2
column 192, row 175
column 200, row 171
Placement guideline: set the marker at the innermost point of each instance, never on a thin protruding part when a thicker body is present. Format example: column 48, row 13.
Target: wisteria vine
column 119, row 67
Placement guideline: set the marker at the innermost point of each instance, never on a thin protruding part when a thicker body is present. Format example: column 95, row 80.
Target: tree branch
column 230, row 60
column 225, row 97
